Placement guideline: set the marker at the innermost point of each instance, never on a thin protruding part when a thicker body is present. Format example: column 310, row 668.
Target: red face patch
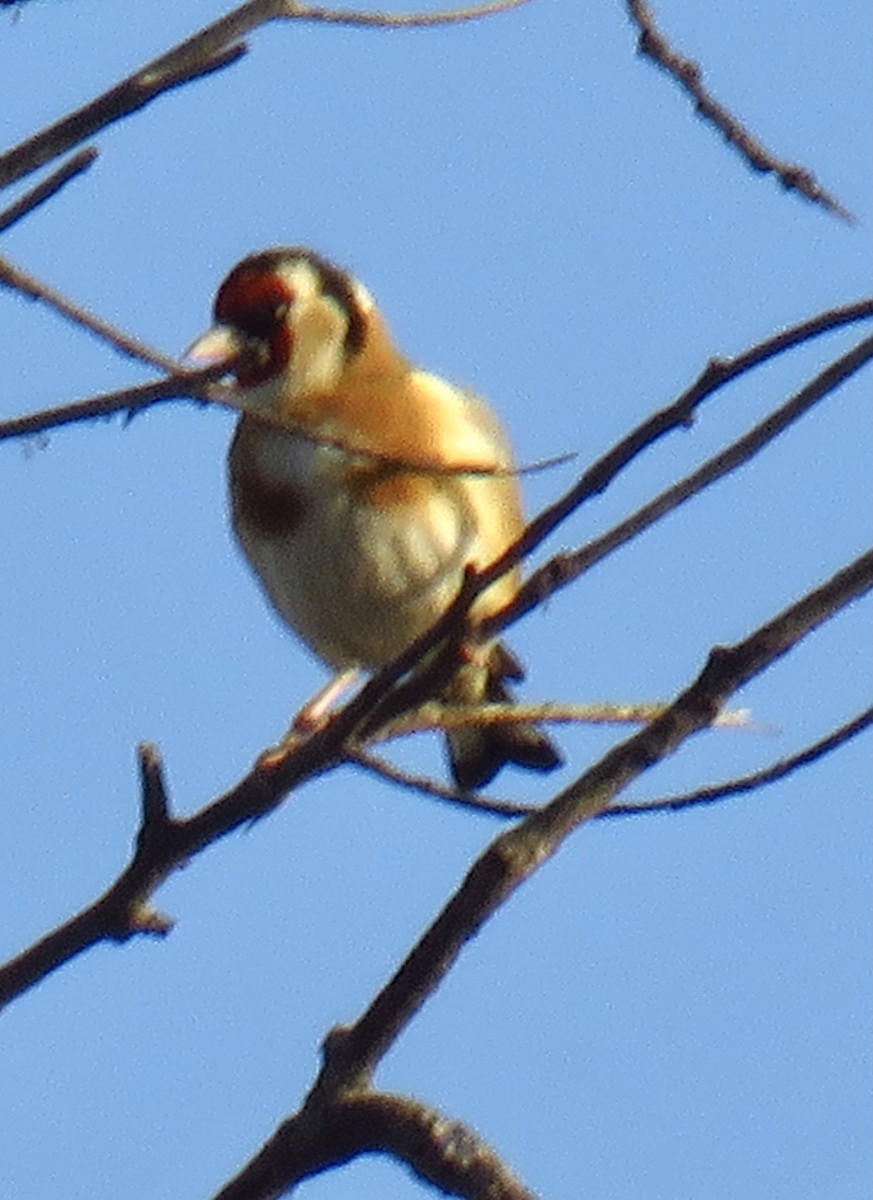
column 255, row 303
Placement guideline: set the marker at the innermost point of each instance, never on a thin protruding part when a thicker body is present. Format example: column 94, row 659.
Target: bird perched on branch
column 353, row 489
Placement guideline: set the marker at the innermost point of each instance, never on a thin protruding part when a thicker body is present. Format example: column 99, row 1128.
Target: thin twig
column 211, row 49
column 700, row 797
column 717, row 374
column 489, row 805
column 204, row 385
column 200, row 386
column 16, row 279
column 748, row 783
column 155, row 800
column 434, row 716
column 382, row 20
column 49, row 187
column 564, row 568
column 431, row 717
column 228, row 396
column 653, row 45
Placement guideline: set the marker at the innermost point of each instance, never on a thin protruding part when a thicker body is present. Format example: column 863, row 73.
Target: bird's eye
column 261, row 320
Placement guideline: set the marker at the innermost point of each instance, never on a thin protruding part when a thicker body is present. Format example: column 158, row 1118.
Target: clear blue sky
column 674, row 1008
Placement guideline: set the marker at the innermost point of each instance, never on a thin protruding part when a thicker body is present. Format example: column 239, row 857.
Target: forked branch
column 353, row 1053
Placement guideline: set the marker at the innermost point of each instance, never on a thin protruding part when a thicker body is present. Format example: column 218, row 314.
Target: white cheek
column 318, row 357
column 318, row 353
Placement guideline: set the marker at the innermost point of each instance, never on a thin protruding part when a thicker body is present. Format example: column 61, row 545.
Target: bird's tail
column 477, row 753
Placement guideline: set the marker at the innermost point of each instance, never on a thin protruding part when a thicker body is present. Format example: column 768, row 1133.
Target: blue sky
column 673, row 1008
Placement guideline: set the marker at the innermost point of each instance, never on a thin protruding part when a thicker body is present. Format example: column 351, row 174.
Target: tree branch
column 519, row 852
column 307, row 1141
column 748, row 783
column 436, row 716
column 49, row 187
column 192, row 385
column 564, row 568
column 17, row 280
column 161, row 849
column 652, row 44
column 211, row 49
column 440, row 1150
column 431, row 788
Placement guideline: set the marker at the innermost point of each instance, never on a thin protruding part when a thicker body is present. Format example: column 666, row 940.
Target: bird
column 362, row 488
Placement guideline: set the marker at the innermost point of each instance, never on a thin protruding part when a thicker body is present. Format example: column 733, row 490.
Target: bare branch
column 382, row 20
column 16, row 279
column 123, row 910
column 155, row 801
column 261, row 791
column 49, row 187
column 564, row 568
column 519, row 852
column 748, row 783
column 652, row 44
column 130, row 400
column 431, row 788
column 211, row 49
column 491, row 806
column 219, row 45
column 434, row 715
column 440, row 1150
column 162, row 846
column 204, row 386
column 309, row 1140
column 191, row 385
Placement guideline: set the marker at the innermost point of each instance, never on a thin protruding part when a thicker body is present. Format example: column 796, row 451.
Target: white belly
column 357, row 583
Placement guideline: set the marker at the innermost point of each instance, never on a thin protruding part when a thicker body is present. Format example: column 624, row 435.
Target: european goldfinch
column 360, row 532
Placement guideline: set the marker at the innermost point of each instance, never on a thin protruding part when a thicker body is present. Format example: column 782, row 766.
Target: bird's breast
column 357, row 556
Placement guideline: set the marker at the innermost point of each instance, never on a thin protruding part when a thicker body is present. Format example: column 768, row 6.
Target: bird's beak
column 219, row 345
